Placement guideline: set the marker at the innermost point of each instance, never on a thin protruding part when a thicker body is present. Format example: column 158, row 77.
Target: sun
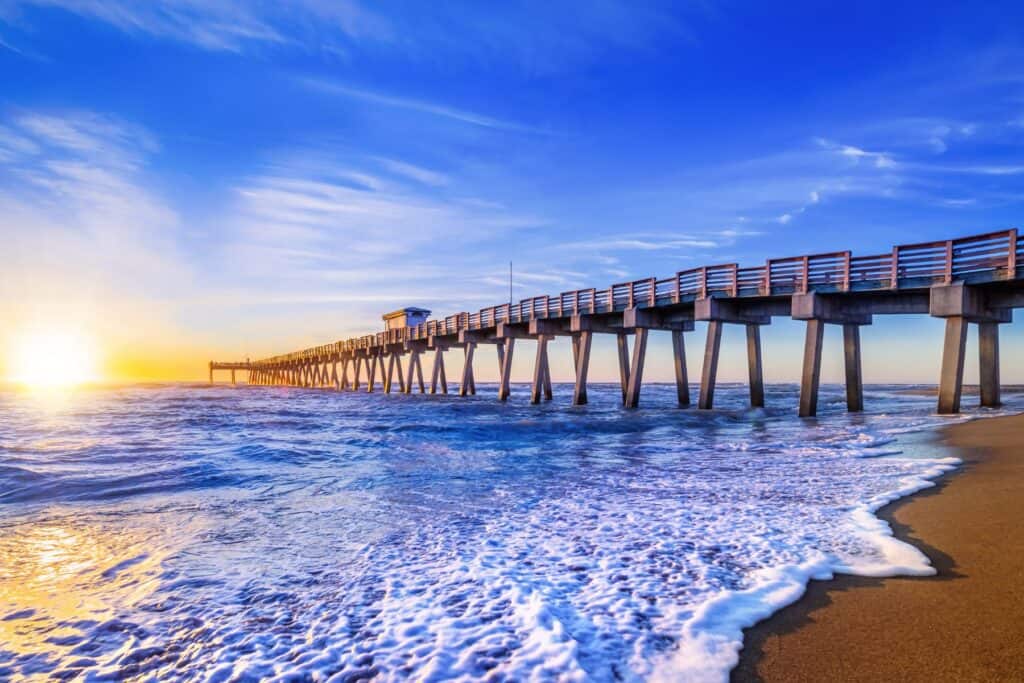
column 49, row 358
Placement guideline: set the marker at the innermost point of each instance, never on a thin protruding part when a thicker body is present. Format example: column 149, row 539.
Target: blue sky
column 188, row 179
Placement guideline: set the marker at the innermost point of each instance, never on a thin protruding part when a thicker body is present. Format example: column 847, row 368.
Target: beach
column 961, row 625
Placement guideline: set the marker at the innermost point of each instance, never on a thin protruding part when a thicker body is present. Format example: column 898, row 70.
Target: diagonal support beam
column 547, row 377
column 622, row 344
column 709, row 373
column 409, row 370
column 374, row 361
column 437, row 375
column 389, row 377
column 401, row 373
column 636, row 371
column 679, row 360
column 539, row 369
column 467, row 386
column 582, row 357
column 505, row 383
column 419, row 373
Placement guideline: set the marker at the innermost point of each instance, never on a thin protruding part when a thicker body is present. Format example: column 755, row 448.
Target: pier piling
column 636, row 370
column 505, row 367
column 622, row 344
column 679, row 362
column 467, row 386
column 952, row 378
column 709, row 372
column 754, row 366
column 811, row 375
column 581, row 355
column 851, row 358
column 437, row 374
column 988, row 363
column 541, row 372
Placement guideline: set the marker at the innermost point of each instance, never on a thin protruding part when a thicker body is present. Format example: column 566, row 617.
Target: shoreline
column 960, row 624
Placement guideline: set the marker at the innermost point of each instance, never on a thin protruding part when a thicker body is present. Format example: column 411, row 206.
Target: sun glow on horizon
column 52, row 358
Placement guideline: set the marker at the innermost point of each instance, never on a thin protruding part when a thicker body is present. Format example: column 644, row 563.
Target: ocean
column 194, row 532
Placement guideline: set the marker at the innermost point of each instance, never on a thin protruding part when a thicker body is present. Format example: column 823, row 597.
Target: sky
column 183, row 180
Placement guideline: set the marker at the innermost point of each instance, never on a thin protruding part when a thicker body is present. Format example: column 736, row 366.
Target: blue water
column 208, row 533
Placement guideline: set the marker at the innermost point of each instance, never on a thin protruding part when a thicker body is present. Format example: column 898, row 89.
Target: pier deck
column 970, row 280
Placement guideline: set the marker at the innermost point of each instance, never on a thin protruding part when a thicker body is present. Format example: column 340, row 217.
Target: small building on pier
column 405, row 317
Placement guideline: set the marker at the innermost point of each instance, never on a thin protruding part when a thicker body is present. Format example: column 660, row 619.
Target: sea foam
column 219, row 534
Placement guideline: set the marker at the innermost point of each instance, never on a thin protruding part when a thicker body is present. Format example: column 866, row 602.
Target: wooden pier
column 218, row 365
column 967, row 280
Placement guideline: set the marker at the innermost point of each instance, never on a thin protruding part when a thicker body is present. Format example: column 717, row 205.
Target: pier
column 969, row 280
column 232, row 367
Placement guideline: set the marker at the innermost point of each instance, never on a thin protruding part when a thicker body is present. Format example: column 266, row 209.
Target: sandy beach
column 964, row 624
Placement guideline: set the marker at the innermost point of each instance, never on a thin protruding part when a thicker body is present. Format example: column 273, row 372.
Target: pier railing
column 989, row 257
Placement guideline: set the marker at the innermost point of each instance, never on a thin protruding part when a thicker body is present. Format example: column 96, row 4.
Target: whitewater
column 189, row 532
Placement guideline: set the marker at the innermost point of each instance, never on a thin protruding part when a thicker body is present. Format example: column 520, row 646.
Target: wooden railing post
column 846, row 272
column 678, row 295
column 654, row 291
column 768, row 278
column 629, row 299
column 894, row 272
column 948, row 274
column 805, row 275
column 735, row 279
column 1011, row 259
column 703, row 283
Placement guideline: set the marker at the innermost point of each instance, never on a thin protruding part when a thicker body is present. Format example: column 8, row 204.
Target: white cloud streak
column 371, row 97
column 539, row 38
column 417, row 173
column 880, row 159
column 230, row 25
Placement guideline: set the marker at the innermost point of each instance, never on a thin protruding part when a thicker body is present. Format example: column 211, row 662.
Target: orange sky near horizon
column 896, row 349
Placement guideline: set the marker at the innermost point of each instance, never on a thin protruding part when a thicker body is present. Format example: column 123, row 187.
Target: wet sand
column 964, row 624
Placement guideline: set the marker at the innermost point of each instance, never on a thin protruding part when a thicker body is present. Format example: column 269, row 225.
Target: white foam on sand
column 713, row 637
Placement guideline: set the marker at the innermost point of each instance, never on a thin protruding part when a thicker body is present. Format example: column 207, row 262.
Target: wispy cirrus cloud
column 813, row 197
column 83, row 166
column 537, row 37
column 394, row 101
column 655, row 241
column 934, row 134
column 420, row 174
column 300, row 226
column 856, row 154
column 990, row 170
column 11, row 47
column 232, row 25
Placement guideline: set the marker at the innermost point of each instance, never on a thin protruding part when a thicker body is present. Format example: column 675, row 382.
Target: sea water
column 208, row 533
